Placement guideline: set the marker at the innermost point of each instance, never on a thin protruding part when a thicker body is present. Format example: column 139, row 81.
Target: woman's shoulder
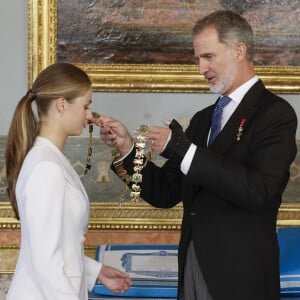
column 40, row 153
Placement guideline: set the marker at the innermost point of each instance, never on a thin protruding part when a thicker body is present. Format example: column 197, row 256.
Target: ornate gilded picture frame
column 42, row 43
column 151, row 77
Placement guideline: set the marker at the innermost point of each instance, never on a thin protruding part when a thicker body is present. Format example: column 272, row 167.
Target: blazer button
column 193, row 213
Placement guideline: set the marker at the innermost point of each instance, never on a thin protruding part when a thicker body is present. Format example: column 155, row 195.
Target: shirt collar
column 238, row 94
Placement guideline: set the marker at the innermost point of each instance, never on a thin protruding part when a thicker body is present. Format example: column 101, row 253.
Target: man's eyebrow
column 206, row 54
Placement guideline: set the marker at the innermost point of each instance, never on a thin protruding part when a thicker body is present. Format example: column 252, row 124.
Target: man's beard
column 222, row 84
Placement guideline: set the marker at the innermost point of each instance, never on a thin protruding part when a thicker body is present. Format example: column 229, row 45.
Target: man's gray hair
column 231, row 28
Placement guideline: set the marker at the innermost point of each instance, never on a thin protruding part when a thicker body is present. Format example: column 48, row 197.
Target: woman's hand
column 114, row 279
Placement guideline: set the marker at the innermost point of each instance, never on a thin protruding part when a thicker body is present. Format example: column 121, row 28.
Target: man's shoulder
column 270, row 99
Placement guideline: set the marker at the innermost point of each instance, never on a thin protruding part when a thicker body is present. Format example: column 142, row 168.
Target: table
column 98, row 297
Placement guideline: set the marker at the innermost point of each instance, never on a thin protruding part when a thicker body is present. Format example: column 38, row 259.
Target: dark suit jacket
column 231, row 195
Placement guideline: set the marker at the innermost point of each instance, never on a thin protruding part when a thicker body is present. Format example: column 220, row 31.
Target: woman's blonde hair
column 58, row 80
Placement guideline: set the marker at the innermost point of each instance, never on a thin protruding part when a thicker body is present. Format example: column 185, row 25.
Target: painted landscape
column 159, row 32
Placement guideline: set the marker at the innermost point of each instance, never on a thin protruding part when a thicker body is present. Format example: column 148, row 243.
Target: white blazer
column 54, row 213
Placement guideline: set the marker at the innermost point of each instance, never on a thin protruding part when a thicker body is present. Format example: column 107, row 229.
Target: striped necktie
column 216, row 118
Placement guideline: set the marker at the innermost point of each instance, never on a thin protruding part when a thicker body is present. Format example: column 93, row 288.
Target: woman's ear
column 60, row 105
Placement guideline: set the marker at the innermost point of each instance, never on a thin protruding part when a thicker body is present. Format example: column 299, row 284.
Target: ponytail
column 22, row 133
column 58, row 80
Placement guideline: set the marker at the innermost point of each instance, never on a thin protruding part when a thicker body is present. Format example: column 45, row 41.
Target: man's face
column 215, row 61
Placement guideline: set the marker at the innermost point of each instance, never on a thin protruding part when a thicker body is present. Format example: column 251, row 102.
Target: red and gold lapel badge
column 240, row 129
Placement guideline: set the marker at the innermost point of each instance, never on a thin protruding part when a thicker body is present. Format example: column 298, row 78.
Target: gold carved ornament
column 139, row 162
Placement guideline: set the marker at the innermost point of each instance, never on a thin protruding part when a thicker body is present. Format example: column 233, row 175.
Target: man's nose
column 202, row 67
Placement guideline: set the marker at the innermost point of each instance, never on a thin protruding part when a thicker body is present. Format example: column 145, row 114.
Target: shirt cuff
column 187, row 160
column 123, row 157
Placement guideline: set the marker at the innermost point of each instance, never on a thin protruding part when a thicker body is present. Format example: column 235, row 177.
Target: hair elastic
column 31, row 94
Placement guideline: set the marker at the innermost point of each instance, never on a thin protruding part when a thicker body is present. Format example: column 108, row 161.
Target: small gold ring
column 96, row 115
column 143, row 129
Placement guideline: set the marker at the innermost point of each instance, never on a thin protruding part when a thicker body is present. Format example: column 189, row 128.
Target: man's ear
column 240, row 50
column 60, row 105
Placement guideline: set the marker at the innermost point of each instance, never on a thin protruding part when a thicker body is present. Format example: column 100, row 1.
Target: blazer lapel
column 245, row 110
column 200, row 132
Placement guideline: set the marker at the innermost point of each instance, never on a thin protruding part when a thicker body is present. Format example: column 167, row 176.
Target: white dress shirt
column 237, row 95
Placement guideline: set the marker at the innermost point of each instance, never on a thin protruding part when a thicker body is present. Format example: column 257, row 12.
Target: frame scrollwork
column 142, row 216
column 42, row 44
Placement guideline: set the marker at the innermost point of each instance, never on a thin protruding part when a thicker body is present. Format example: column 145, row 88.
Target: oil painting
column 146, row 46
column 159, row 32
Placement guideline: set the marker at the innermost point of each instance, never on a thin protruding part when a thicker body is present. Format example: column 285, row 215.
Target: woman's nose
column 89, row 114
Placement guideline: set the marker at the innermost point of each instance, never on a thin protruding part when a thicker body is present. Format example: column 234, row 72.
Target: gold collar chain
column 139, row 162
column 88, row 165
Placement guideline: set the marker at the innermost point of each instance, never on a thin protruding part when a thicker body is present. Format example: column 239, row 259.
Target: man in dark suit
column 229, row 169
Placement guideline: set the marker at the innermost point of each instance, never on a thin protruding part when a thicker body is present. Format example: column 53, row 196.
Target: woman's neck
column 55, row 136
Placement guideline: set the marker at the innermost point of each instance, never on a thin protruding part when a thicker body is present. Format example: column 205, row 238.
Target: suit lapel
column 245, row 110
column 200, row 132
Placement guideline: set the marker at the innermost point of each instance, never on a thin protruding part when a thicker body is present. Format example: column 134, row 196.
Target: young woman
column 47, row 194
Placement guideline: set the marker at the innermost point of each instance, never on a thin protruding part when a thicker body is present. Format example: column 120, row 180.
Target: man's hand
column 158, row 137
column 113, row 131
